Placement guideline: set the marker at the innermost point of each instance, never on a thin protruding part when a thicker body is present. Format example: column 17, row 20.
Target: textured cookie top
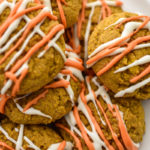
column 101, row 121
column 27, row 137
column 67, row 11
column 119, row 54
column 54, row 100
column 31, row 47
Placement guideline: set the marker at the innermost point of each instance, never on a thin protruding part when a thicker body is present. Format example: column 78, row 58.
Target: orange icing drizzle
column 129, row 48
column 82, row 129
column 4, row 99
column 120, row 147
column 16, row 87
column 62, row 146
column 124, row 134
column 81, row 18
column 65, row 71
column 97, row 127
column 58, row 84
column 35, row 21
column 37, row 1
column 5, row 146
column 76, row 139
column 62, row 15
column 13, row 18
column 119, row 3
column 106, row 11
column 74, row 64
column 35, row 100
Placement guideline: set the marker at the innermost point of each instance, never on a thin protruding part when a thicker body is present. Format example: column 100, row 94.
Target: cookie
column 119, row 55
column 31, row 47
column 100, row 121
column 53, row 101
column 35, row 137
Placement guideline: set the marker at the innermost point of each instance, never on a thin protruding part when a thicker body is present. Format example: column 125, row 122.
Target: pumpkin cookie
column 119, row 53
column 100, row 121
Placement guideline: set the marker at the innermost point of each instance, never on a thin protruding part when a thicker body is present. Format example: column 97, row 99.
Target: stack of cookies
column 73, row 74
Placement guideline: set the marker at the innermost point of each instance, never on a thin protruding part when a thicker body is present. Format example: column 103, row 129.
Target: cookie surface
column 24, row 66
column 124, row 77
column 35, row 137
column 67, row 12
column 103, row 117
column 53, row 101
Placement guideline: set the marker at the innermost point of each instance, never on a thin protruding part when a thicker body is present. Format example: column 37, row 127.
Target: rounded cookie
column 120, row 55
column 50, row 103
column 28, row 58
column 100, row 121
column 29, row 137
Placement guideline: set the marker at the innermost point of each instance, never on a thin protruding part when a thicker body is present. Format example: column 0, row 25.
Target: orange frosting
column 35, row 100
column 4, row 99
column 82, row 129
column 81, row 18
column 59, row 84
column 106, row 11
column 124, row 134
column 76, row 139
column 4, row 145
column 65, row 71
column 115, row 112
column 16, row 87
column 62, row 146
column 129, row 47
column 62, row 15
column 74, row 64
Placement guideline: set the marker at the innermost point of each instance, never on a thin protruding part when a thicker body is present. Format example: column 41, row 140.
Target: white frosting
column 32, row 111
column 71, row 121
column 48, row 4
column 20, row 138
column 87, row 33
column 133, row 88
column 4, row 45
column 129, row 28
column 98, row 3
column 55, row 146
column 145, row 59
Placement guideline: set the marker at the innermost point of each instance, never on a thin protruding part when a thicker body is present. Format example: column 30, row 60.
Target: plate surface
column 141, row 6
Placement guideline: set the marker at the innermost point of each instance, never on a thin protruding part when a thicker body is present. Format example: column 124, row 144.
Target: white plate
column 141, row 6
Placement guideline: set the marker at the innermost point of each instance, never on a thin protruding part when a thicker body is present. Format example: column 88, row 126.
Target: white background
column 142, row 6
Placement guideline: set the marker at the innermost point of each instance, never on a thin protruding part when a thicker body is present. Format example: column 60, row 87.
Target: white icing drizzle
column 32, row 111
column 92, row 5
column 145, row 59
column 75, row 71
column 93, row 135
column 55, row 146
column 87, row 33
column 31, row 144
column 19, row 141
column 132, row 88
column 52, row 43
column 98, row 3
column 20, row 138
column 4, row 45
column 48, row 4
column 128, row 28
